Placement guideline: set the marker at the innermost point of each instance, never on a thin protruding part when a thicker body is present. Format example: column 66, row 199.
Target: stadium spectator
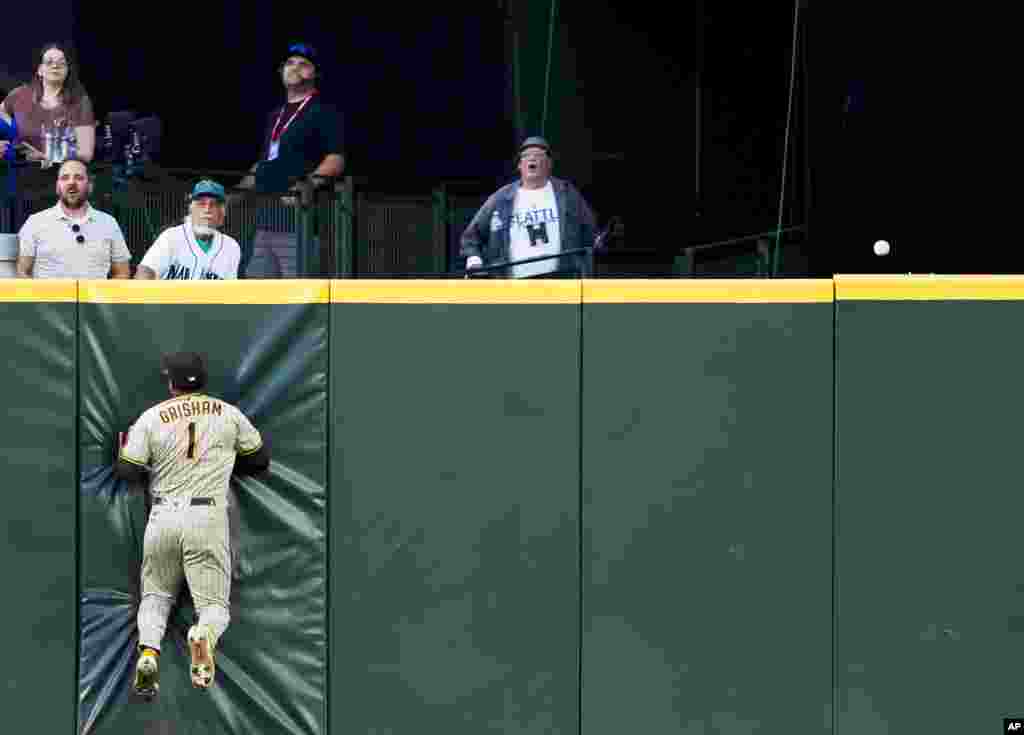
column 72, row 239
column 55, row 95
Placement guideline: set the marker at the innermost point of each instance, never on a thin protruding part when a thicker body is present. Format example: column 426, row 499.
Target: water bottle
column 62, row 143
column 133, row 153
column 108, row 142
column 48, row 143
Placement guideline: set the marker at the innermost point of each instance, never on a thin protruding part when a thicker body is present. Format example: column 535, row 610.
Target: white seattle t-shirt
column 175, row 255
column 534, row 230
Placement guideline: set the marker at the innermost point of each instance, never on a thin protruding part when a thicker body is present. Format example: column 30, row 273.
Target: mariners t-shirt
column 178, row 255
column 533, row 231
column 190, row 443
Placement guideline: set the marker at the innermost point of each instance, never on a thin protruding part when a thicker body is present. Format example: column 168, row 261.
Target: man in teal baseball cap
column 196, row 249
column 209, row 188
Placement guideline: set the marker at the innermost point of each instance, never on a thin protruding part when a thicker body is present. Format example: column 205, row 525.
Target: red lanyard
column 277, row 133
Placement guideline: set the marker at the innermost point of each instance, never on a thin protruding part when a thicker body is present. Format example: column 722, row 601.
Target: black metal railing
column 351, row 229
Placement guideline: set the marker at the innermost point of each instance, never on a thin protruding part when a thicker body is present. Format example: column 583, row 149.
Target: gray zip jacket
column 487, row 235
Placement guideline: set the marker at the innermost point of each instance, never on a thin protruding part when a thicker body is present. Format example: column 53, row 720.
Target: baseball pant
column 185, row 543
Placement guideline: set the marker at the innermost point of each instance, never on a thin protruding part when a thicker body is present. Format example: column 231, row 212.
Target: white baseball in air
column 882, row 247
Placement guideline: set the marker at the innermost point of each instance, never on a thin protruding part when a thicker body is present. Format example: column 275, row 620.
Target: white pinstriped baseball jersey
column 176, row 255
column 190, row 443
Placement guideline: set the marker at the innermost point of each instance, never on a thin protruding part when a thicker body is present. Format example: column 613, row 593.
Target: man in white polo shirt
column 196, row 249
column 72, row 239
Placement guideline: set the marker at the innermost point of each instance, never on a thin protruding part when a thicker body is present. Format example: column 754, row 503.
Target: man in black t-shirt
column 304, row 138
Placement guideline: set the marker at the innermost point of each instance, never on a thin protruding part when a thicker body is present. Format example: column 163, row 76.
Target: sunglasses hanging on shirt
column 79, row 238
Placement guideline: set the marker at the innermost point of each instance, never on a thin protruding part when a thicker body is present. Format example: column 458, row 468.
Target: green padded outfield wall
column 707, row 484
column 929, row 572
column 37, row 544
column 266, row 343
column 486, row 521
column 454, row 507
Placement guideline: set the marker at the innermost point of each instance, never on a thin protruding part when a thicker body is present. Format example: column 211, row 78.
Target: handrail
column 736, row 241
column 484, row 269
column 204, row 172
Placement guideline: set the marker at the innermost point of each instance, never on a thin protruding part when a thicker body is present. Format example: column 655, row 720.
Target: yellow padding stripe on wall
column 929, row 288
column 707, row 291
column 42, row 291
column 206, row 292
column 455, row 291
column 460, row 291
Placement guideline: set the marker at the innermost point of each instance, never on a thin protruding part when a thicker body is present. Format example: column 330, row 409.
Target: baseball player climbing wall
column 265, row 345
column 189, row 443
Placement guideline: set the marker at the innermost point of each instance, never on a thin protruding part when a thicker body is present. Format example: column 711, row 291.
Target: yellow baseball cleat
column 201, row 643
column 147, row 674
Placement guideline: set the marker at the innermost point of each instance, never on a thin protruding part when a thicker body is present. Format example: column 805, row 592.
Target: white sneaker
column 201, row 643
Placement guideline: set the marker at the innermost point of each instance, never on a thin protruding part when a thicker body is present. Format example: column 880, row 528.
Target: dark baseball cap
column 534, row 141
column 185, row 370
column 305, row 50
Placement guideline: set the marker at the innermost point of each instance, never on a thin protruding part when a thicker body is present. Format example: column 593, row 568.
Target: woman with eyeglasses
column 55, row 95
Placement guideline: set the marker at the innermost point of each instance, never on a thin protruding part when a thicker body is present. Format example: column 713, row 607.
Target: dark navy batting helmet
column 185, row 370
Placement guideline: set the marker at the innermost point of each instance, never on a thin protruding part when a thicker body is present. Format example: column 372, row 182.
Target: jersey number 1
column 191, row 440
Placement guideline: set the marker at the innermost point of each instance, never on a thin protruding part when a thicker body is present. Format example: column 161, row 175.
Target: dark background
column 876, row 144
column 410, row 82
column 898, row 132
column 745, row 59
column 427, row 95
column 827, row 78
